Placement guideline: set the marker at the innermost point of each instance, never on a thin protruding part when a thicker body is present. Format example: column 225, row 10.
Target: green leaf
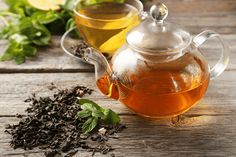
column 89, row 104
column 20, row 59
column 45, row 17
column 42, row 37
column 83, row 114
column 17, row 7
column 14, row 51
column 110, row 117
column 89, row 107
column 13, row 2
column 29, row 51
column 97, row 114
column 4, row 32
column 20, row 38
column 89, row 125
column 10, row 2
column 27, row 27
column 18, row 49
column 6, row 56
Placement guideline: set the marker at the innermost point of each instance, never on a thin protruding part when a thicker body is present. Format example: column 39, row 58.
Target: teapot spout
column 96, row 58
column 105, row 79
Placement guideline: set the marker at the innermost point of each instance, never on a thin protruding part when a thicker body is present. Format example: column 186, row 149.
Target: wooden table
column 208, row 129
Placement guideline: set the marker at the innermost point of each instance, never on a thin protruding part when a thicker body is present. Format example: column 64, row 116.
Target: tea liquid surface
column 104, row 26
column 160, row 93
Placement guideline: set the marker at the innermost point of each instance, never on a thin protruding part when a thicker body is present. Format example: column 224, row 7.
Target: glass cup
column 104, row 25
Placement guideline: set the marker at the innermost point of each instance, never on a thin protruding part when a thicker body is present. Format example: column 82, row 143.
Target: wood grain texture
column 208, row 129
column 53, row 59
column 15, row 88
column 198, row 15
column 199, row 135
column 197, row 6
column 48, row 59
column 195, row 15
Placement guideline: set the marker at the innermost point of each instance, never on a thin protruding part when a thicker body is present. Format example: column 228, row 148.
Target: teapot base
column 174, row 115
column 153, row 105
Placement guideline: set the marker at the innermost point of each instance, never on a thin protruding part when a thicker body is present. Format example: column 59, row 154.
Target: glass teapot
column 159, row 71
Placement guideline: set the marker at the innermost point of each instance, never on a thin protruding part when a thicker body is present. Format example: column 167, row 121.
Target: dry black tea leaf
column 50, row 124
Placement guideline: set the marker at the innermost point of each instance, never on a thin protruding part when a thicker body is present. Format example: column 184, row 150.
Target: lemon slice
column 46, row 4
column 112, row 44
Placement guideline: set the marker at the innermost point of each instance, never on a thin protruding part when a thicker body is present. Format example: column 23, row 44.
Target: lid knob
column 159, row 12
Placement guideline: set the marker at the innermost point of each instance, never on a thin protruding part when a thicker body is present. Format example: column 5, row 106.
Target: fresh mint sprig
column 34, row 27
column 95, row 115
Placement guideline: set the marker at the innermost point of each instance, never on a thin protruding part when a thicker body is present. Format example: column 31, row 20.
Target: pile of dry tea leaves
column 50, row 124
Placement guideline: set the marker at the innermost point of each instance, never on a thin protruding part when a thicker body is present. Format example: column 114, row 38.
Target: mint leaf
column 89, row 107
column 42, row 37
column 29, row 51
column 95, row 115
column 18, row 49
column 45, row 17
column 36, row 32
column 92, row 104
column 83, row 114
column 32, row 26
column 20, row 38
column 14, row 51
column 89, row 125
column 19, row 7
column 10, row 2
column 7, row 56
column 20, row 58
column 110, row 117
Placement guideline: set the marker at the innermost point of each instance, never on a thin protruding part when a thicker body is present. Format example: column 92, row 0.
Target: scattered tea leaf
column 52, row 122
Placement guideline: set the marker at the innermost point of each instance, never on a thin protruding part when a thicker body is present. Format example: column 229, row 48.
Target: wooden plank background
column 208, row 129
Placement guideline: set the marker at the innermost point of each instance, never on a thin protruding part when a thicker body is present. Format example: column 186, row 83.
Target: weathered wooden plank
column 199, row 135
column 195, row 23
column 188, row 6
column 53, row 59
column 198, row 15
column 193, row 14
column 220, row 98
column 49, row 59
column 197, row 6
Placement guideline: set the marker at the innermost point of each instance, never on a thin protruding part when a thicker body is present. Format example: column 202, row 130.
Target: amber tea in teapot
column 154, row 94
column 104, row 26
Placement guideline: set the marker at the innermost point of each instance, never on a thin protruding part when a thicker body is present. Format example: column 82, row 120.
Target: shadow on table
column 192, row 132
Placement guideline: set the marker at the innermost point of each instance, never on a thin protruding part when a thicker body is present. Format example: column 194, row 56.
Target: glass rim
column 140, row 10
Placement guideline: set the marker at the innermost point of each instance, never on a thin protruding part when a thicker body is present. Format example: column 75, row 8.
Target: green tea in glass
column 104, row 24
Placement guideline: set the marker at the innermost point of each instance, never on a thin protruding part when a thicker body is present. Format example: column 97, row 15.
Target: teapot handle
column 222, row 63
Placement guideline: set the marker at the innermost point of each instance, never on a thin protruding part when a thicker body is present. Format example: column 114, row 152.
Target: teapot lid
column 154, row 35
